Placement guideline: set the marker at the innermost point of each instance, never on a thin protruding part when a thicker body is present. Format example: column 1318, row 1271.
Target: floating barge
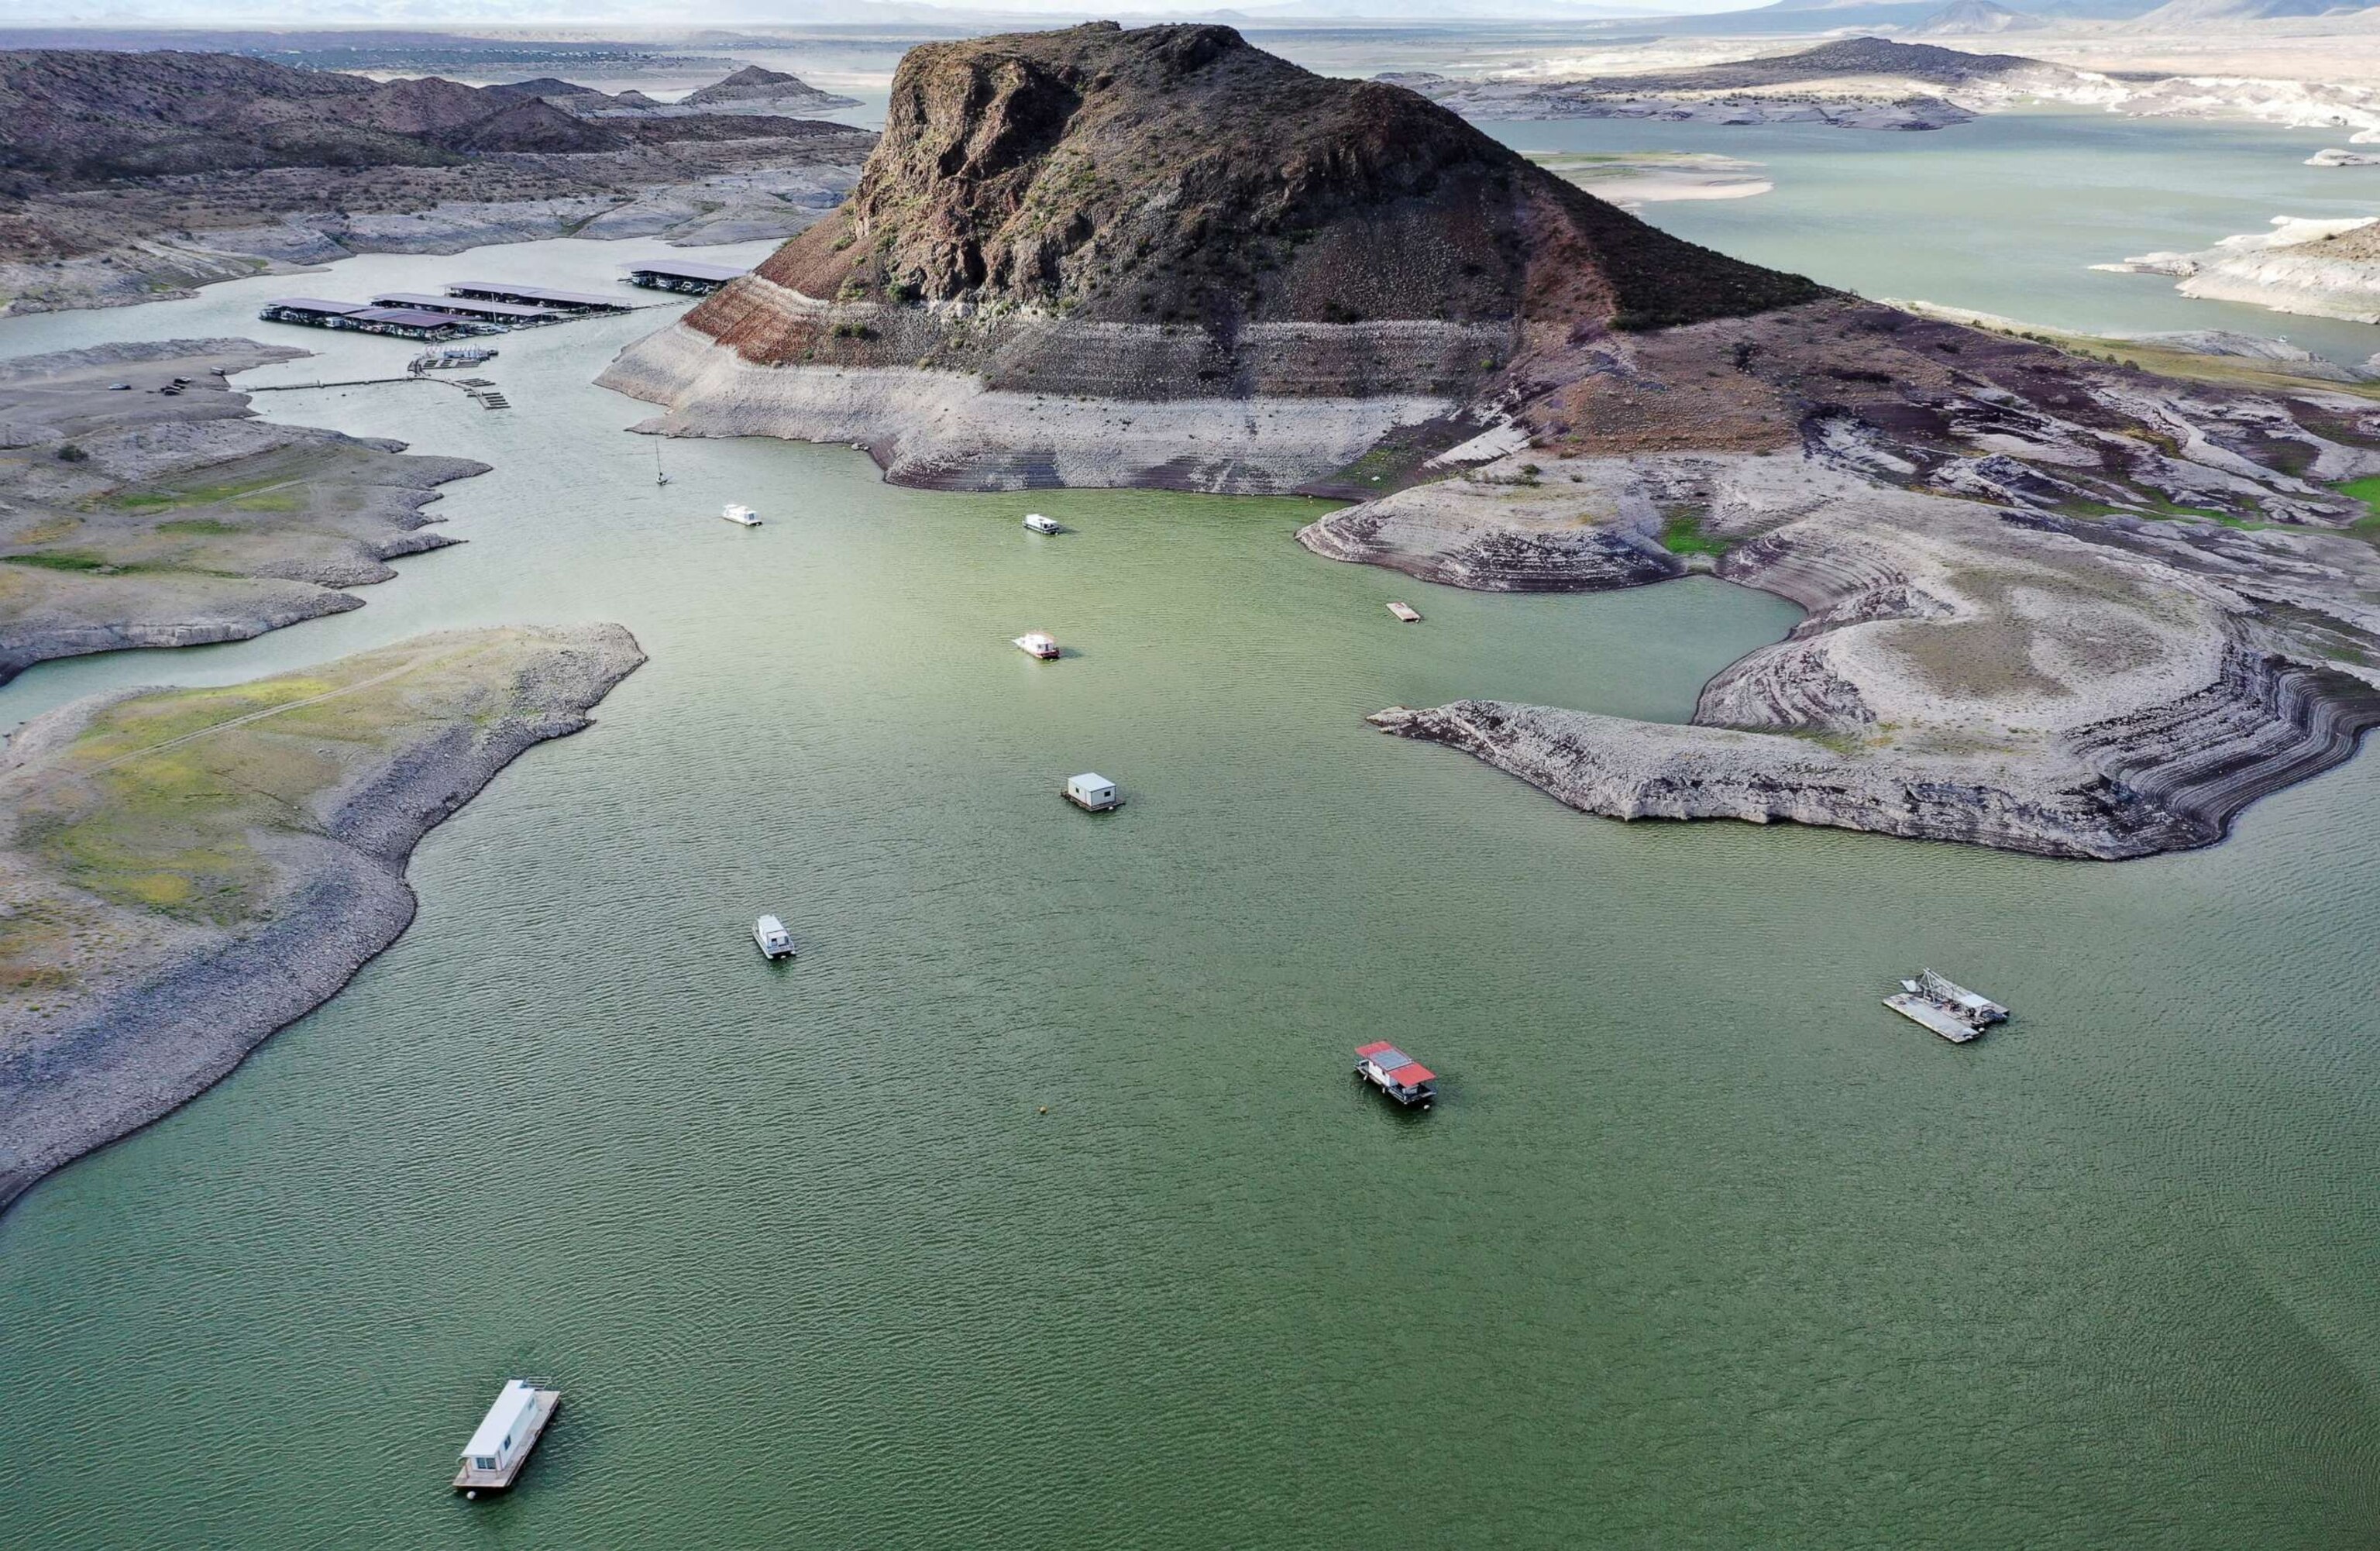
column 1407, row 612
column 1946, row 1007
column 690, row 279
column 497, row 1453
column 1397, row 1074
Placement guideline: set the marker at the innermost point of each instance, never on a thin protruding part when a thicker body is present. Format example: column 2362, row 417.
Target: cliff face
column 1169, row 217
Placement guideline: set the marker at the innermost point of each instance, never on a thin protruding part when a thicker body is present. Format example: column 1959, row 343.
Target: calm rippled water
column 1703, row 1248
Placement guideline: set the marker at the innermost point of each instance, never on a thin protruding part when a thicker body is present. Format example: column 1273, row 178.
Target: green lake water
column 1034, row 1205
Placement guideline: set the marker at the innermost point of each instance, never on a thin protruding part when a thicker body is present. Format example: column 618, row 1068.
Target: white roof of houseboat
column 513, row 1404
column 1090, row 778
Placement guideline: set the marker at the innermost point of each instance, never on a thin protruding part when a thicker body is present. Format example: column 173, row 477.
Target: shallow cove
column 1704, row 1247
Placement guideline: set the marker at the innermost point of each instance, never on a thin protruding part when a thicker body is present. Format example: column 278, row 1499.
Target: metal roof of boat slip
column 535, row 295
column 686, row 271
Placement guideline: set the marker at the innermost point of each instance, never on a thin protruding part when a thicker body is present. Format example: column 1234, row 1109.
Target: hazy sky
column 755, row 13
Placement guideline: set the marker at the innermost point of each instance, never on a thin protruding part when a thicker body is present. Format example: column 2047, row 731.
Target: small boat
column 1407, row 612
column 1946, row 1007
column 1036, row 523
column 741, row 516
column 659, row 477
column 1038, row 643
column 494, row 1459
column 775, row 941
column 1092, row 793
column 1397, row 1074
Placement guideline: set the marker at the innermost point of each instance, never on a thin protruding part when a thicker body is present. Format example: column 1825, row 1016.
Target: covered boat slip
column 404, row 322
column 508, row 313
column 539, row 296
column 692, row 279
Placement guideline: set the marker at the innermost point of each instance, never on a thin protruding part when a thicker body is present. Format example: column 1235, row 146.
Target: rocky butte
column 2056, row 604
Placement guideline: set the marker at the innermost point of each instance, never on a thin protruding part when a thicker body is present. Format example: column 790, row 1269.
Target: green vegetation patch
column 65, row 560
column 205, row 527
column 1683, row 534
column 241, row 492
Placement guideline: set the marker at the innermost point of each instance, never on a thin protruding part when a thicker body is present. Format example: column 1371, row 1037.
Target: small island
column 184, row 871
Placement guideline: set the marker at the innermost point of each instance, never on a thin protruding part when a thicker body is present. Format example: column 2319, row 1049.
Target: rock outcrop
column 1203, row 240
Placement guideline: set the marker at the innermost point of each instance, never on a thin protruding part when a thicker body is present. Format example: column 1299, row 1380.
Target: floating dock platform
column 1407, row 612
column 1946, row 1007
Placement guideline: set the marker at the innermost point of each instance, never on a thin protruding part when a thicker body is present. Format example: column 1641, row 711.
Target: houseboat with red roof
column 1397, row 1074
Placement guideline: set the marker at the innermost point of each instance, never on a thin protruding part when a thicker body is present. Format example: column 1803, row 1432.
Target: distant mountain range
column 75, row 118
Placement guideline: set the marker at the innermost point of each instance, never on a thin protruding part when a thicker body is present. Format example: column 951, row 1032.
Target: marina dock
column 690, row 279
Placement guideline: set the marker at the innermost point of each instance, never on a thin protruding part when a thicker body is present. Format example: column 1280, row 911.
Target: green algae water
column 1034, row 1205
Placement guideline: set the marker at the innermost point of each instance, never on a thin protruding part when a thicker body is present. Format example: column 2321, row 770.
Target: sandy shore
column 185, row 872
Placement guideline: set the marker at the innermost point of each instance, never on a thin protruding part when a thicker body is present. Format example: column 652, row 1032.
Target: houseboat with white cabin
column 1092, row 793
column 498, row 1452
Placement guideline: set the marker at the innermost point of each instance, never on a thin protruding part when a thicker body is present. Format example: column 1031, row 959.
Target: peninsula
column 184, row 871
column 134, row 518
column 2058, row 604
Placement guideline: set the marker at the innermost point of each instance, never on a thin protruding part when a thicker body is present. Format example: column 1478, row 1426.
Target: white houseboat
column 494, row 1459
column 1038, row 643
column 1092, row 793
column 1040, row 524
column 775, row 941
column 740, row 514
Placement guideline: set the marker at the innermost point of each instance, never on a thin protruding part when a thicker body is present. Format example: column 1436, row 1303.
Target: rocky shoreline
column 1971, row 669
column 2316, row 268
column 128, row 988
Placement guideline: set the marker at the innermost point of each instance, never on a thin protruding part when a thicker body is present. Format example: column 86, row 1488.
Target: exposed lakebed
column 1704, row 1247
